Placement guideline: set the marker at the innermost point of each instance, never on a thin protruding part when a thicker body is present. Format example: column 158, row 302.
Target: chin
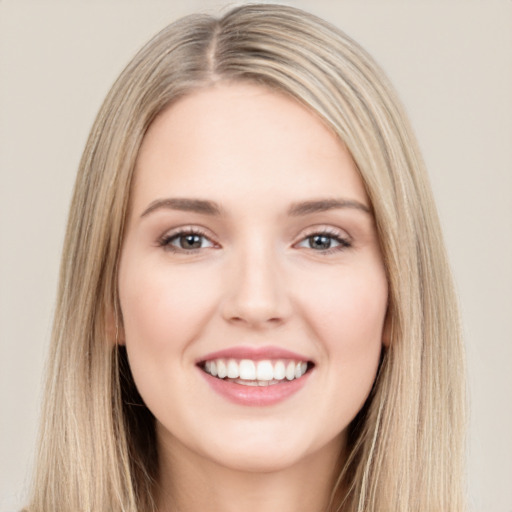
column 267, row 448
column 266, row 458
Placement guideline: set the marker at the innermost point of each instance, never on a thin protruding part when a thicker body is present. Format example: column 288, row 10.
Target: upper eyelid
column 197, row 230
column 344, row 242
column 165, row 239
column 325, row 230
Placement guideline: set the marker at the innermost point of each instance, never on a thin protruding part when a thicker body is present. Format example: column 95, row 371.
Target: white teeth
column 261, row 373
column 247, row 369
column 264, row 371
column 280, row 370
column 290, row 370
column 222, row 371
column 233, row 372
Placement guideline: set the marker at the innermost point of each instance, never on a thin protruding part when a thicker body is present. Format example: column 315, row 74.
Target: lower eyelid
column 165, row 240
column 342, row 242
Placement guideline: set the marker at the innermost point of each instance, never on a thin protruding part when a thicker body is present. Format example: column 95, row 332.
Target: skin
column 256, row 279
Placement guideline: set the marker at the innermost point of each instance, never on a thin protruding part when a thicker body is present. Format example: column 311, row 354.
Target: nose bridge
column 256, row 294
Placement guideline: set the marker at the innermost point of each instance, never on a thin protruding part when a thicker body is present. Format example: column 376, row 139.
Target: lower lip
column 255, row 395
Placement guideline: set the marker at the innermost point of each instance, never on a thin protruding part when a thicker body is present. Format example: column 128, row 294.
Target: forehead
column 244, row 138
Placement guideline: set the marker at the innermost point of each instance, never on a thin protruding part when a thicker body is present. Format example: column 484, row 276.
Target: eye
column 325, row 242
column 190, row 240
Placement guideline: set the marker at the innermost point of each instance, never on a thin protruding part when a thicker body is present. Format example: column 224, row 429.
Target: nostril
column 255, row 320
column 256, row 299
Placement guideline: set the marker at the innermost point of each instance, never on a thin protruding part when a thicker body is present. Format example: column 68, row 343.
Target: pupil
column 320, row 242
column 191, row 241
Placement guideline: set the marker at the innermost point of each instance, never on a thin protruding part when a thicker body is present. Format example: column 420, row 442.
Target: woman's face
column 250, row 254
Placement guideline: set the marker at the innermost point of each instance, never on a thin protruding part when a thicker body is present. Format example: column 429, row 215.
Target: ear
column 114, row 327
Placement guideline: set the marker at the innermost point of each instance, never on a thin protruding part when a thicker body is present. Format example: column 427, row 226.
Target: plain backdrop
column 451, row 62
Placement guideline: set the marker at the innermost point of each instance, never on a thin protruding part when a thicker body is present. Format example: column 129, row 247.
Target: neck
column 190, row 483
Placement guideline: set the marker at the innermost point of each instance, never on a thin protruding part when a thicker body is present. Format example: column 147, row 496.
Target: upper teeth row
column 247, row 369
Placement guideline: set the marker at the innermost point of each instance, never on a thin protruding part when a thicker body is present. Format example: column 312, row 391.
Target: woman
column 255, row 307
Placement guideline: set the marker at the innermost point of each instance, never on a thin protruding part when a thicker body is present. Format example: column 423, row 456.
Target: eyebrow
column 298, row 209
column 323, row 205
column 186, row 205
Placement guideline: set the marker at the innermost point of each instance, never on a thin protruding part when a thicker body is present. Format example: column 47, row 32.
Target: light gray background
column 451, row 62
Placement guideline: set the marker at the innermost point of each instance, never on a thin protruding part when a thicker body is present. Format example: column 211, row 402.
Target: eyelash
column 166, row 241
column 333, row 235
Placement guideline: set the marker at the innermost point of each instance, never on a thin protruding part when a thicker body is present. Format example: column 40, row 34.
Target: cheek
column 164, row 311
column 162, row 308
column 348, row 306
column 353, row 340
column 348, row 313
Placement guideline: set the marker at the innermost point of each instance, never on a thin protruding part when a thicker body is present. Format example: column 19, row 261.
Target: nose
column 256, row 292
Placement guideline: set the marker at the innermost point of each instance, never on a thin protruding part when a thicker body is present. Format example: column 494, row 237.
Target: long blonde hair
column 97, row 447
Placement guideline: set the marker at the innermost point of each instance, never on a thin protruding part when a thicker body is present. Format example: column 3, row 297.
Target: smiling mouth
column 266, row 372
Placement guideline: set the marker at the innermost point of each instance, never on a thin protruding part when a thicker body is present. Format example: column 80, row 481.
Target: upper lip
column 254, row 353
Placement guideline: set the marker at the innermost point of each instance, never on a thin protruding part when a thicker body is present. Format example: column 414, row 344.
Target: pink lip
column 254, row 353
column 255, row 395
